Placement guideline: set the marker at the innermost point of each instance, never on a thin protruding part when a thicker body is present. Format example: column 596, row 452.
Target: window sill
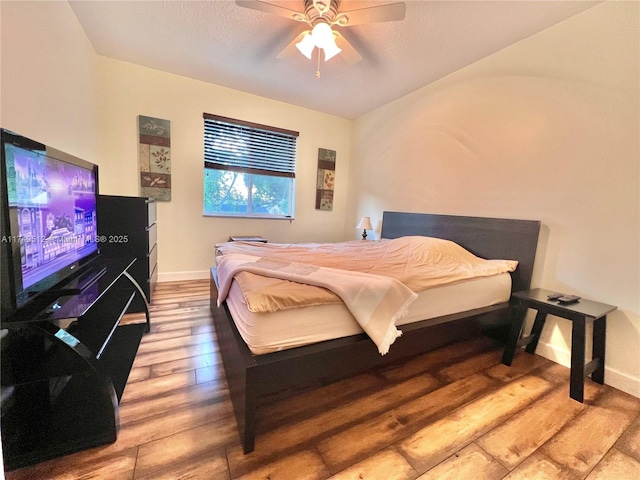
column 255, row 217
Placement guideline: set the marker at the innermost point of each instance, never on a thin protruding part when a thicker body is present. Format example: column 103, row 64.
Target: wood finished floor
column 455, row 413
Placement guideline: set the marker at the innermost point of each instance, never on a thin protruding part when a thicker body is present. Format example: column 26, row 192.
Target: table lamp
column 365, row 224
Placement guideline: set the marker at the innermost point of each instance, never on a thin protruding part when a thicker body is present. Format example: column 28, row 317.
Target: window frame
column 261, row 141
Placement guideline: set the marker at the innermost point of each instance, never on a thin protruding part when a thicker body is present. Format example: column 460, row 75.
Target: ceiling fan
column 321, row 15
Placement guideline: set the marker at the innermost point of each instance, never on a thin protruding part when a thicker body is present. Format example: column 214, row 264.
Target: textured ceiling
column 222, row 43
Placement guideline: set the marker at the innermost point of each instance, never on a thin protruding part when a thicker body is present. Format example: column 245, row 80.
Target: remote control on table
column 555, row 296
column 566, row 299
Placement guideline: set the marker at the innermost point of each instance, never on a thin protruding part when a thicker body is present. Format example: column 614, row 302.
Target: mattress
column 274, row 331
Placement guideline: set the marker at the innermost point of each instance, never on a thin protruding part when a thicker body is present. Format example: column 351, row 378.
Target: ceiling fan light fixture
column 306, row 45
column 322, row 35
column 322, row 15
column 331, row 50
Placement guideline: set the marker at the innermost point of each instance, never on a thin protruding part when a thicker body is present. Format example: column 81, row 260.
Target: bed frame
column 252, row 377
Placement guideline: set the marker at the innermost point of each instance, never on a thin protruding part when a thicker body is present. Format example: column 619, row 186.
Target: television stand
column 79, row 283
column 65, row 367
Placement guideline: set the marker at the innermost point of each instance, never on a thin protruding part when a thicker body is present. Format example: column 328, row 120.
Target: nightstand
column 579, row 313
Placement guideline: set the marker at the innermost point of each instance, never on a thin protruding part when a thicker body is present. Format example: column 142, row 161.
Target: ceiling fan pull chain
column 318, row 71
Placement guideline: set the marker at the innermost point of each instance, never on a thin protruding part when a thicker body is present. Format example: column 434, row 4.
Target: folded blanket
column 375, row 301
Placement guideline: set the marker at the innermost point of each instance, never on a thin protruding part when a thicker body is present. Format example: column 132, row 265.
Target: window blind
column 236, row 145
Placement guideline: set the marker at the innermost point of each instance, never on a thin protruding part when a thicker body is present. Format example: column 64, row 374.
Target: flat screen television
column 49, row 222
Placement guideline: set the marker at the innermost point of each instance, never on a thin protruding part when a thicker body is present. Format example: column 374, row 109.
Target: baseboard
column 615, row 378
column 182, row 276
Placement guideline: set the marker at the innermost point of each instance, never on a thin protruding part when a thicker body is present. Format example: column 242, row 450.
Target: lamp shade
column 331, row 50
column 322, row 35
column 306, row 45
column 365, row 223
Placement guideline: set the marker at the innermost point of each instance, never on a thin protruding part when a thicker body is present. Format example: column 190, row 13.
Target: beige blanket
column 418, row 262
column 376, row 302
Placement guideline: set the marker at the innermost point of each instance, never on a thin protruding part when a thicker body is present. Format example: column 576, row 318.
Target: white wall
column 49, row 78
column 546, row 129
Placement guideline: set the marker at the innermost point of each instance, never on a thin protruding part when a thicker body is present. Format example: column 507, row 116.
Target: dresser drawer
column 152, row 236
column 153, row 258
column 152, row 213
column 153, row 280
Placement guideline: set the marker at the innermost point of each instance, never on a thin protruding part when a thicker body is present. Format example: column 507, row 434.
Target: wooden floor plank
column 184, row 298
column 205, row 393
column 522, row 364
column 470, row 366
column 210, row 374
column 629, row 442
column 583, row 443
column 157, row 427
column 367, row 437
column 153, row 387
column 540, row 467
column 175, row 342
column 557, row 374
column 120, row 467
column 167, row 313
column 471, row 462
column 188, row 321
column 184, row 364
column 386, row 465
column 169, row 321
column 158, row 336
column 616, row 466
column 524, row 433
column 432, row 444
column 145, row 359
column 207, row 327
column 158, row 456
column 310, row 402
column 138, row 374
column 433, row 360
column 211, row 465
column 303, row 465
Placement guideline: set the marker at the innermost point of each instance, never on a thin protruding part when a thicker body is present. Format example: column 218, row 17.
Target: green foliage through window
column 236, row 193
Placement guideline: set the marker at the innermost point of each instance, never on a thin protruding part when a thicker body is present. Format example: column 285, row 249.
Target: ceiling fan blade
column 381, row 13
column 290, row 49
column 350, row 55
column 273, row 9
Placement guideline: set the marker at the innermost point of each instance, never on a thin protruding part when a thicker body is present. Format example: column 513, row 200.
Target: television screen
column 52, row 211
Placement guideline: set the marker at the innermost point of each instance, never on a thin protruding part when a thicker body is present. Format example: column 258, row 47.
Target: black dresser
column 127, row 228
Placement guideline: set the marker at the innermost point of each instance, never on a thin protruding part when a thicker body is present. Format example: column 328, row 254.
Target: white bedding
column 274, row 331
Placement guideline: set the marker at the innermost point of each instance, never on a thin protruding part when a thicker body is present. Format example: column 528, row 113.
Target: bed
column 254, row 376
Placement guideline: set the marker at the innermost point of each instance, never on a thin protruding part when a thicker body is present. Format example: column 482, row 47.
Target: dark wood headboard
column 490, row 238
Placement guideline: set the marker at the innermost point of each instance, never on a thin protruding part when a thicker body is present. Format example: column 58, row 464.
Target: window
column 249, row 169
